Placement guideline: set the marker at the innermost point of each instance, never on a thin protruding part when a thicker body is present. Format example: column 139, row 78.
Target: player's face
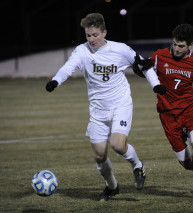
column 180, row 49
column 95, row 37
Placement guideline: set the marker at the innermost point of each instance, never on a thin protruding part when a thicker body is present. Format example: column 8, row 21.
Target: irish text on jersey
column 105, row 69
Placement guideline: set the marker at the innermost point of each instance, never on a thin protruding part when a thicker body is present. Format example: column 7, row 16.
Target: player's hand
column 50, row 86
column 161, row 89
column 141, row 65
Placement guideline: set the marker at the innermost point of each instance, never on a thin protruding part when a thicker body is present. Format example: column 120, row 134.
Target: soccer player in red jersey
column 174, row 68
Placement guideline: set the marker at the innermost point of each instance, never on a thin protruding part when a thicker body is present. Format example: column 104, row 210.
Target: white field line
column 45, row 139
column 68, row 137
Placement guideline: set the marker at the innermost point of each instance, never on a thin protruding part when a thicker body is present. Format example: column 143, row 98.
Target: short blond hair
column 93, row 20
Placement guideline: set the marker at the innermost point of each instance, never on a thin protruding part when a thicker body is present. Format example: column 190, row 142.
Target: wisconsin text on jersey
column 105, row 69
column 181, row 72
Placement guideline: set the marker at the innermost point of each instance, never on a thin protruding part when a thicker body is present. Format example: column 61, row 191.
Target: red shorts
column 174, row 126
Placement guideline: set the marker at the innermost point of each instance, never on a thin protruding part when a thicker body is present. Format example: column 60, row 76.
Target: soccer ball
column 44, row 182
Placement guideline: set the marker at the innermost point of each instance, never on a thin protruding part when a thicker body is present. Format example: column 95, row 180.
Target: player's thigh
column 118, row 143
column 188, row 118
column 174, row 131
column 98, row 131
column 122, row 120
column 99, row 126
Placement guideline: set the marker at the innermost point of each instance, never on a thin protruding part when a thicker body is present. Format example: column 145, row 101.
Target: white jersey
column 103, row 71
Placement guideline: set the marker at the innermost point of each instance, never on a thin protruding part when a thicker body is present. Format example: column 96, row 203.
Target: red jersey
column 177, row 76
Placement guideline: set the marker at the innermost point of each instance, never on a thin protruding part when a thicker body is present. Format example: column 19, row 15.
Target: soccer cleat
column 107, row 194
column 139, row 175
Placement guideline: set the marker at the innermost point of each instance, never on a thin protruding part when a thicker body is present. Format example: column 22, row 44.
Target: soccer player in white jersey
column 102, row 63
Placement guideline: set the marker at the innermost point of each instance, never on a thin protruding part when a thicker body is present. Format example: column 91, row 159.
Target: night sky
column 29, row 26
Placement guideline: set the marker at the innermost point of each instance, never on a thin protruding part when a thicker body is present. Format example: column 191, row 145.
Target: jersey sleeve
column 72, row 64
column 150, row 74
column 129, row 54
column 151, row 77
column 154, row 59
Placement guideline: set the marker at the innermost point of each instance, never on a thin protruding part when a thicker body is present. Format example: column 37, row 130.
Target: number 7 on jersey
column 178, row 81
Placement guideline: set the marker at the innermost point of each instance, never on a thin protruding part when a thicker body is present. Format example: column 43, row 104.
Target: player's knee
column 119, row 148
column 100, row 158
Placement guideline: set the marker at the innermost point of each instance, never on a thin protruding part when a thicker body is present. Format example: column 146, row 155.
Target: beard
column 178, row 58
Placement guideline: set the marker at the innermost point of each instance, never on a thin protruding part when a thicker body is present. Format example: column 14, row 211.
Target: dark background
column 29, row 26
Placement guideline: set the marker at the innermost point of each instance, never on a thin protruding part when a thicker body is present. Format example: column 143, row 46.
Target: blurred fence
column 46, row 64
column 36, row 65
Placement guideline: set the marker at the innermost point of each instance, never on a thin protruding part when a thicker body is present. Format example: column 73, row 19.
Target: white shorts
column 104, row 122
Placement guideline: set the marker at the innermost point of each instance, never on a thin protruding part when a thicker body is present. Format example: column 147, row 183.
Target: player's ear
column 104, row 33
column 191, row 46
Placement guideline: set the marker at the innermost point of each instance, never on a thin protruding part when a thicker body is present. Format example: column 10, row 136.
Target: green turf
column 41, row 130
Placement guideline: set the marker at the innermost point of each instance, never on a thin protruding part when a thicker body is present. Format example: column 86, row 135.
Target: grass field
column 41, row 130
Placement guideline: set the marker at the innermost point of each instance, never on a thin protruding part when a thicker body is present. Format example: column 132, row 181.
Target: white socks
column 105, row 170
column 131, row 156
column 190, row 134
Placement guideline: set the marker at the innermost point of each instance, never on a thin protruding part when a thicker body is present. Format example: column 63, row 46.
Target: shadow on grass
column 158, row 191
column 88, row 193
column 34, row 211
column 92, row 193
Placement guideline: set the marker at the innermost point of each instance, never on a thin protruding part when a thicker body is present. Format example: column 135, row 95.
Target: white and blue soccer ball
column 44, row 182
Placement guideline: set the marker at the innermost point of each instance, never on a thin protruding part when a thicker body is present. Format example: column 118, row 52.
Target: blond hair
column 93, row 20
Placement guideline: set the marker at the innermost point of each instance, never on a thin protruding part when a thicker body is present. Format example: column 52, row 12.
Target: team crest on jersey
column 123, row 123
